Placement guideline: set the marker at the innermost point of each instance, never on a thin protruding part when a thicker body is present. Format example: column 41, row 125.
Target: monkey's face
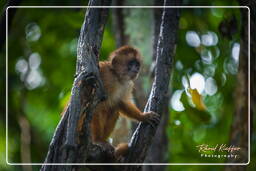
column 133, row 68
column 127, row 68
column 126, row 63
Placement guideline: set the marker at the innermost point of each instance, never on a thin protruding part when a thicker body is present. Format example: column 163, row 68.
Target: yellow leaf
column 197, row 99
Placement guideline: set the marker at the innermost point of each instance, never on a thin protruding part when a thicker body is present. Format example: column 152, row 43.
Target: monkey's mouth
column 133, row 74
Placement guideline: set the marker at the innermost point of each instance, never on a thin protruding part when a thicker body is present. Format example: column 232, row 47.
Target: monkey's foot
column 108, row 148
column 121, row 150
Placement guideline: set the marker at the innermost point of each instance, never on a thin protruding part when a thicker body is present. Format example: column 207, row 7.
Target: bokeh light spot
column 175, row 101
column 33, row 32
column 197, row 81
column 193, row 39
column 210, row 86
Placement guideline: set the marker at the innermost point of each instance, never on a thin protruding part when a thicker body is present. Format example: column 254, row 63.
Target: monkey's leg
column 98, row 134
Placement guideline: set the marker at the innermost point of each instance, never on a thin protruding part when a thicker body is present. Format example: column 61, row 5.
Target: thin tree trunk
column 253, row 66
column 159, row 148
column 158, row 12
column 144, row 133
column 239, row 134
column 25, row 131
column 70, row 145
column 25, row 144
column 118, row 23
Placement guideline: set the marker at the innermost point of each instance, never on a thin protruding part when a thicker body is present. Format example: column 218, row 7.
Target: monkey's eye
column 134, row 63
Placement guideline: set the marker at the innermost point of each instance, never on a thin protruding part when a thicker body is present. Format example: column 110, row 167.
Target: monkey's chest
column 120, row 93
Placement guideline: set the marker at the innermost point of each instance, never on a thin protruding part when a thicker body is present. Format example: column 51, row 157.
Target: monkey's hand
column 152, row 118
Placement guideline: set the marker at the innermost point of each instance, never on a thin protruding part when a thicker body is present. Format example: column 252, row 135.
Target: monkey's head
column 126, row 62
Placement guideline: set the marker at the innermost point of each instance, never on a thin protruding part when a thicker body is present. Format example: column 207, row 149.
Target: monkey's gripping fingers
column 152, row 118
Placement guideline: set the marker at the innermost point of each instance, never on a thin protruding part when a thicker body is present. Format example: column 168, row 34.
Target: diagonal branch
column 144, row 133
column 70, row 141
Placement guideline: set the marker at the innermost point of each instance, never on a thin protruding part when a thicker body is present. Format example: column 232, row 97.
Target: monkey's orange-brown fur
column 118, row 74
column 118, row 83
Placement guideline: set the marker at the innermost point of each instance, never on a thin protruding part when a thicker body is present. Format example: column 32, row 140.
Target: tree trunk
column 158, row 13
column 118, row 23
column 253, row 65
column 158, row 150
column 70, row 143
column 239, row 134
column 144, row 133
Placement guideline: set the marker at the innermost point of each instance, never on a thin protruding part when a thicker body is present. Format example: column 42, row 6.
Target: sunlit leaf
column 193, row 113
column 197, row 99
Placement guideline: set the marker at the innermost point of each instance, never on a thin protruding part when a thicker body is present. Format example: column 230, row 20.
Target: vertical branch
column 72, row 136
column 158, row 12
column 144, row 133
column 118, row 23
column 25, row 143
column 252, row 6
column 239, row 134
column 159, row 147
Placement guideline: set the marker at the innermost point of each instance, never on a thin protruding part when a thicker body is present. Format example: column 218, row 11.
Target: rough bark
column 144, row 133
column 158, row 150
column 239, row 134
column 157, row 22
column 69, row 145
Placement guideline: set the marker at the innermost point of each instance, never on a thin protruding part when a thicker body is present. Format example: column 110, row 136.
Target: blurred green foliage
column 44, row 41
column 187, row 128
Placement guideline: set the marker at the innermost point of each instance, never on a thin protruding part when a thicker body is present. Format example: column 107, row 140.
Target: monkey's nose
column 134, row 69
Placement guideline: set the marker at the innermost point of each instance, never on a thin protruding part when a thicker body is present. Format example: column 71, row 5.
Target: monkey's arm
column 130, row 110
